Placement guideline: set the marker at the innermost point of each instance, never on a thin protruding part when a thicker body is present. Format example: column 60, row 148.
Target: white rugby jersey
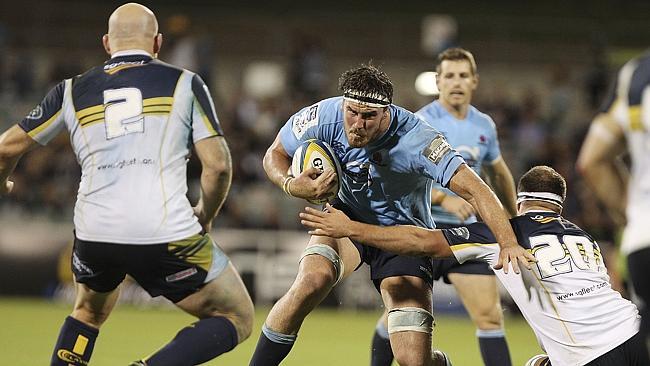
column 132, row 123
column 566, row 298
column 629, row 105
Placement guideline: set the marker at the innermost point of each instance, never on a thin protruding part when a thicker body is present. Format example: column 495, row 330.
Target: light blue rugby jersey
column 389, row 180
column 474, row 137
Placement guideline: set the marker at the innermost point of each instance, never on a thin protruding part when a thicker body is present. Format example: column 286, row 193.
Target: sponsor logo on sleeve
column 304, row 120
column 437, row 149
column 36, row 113
column 462, row 232
column 70, row 357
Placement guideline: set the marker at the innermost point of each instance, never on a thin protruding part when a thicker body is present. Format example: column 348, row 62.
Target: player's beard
column 357, row 139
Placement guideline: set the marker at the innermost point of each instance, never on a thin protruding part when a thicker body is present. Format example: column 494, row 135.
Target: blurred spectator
column 307, row 73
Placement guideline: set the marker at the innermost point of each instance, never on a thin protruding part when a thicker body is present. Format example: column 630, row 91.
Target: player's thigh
column 224, row 295
column 347, row 253
column 479, row 294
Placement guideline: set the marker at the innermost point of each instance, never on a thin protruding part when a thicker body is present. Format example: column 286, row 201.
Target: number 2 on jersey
column 123, row 112
column 554, row 257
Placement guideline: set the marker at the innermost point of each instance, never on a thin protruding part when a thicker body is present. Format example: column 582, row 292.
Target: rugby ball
column 320, row 155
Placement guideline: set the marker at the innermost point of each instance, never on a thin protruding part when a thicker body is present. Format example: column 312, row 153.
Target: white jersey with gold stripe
column 132, row 124
column 566, row 298
column 629, row 104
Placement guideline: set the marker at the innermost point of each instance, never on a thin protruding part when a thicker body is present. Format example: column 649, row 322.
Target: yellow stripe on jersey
column 88, row 112
column 158, row 101
column 545, row 220
column 150, row 106
column 557, row 313
column 121, row 67
column 205, row 119
column 469, row 245
column 43, row 125
column 635, row 118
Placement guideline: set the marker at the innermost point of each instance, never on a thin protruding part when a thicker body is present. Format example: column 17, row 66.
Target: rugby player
column 474, row 136
column 389, row 159
column 566, row 297
column 132, row 122
column 624, row 124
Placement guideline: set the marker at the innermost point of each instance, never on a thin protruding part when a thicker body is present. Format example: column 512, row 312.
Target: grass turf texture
column 328, row 337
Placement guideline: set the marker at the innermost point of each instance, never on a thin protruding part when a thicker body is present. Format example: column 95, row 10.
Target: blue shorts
column 174, row 270
column 444, row 266
column 384, row 264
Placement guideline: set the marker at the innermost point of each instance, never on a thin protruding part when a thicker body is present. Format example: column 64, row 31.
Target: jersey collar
column 132, row 52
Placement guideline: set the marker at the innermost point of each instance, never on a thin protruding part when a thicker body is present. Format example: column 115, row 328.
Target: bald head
column 132, row 26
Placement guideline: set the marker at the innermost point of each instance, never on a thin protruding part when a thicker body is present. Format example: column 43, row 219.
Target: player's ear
column 157, row 43
column 107, row 46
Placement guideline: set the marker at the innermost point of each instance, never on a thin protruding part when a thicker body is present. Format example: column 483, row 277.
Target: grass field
column 29, row 327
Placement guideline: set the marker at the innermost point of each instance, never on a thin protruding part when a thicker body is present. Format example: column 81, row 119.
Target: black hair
column 367, row 79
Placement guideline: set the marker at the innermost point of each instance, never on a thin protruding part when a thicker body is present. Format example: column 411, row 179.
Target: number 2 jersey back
column 567, row 298
column 132, row 123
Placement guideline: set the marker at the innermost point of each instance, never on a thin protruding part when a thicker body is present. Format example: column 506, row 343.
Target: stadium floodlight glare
column 425, row 84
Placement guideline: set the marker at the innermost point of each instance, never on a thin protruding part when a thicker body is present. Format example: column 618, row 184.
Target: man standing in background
column 473, row 134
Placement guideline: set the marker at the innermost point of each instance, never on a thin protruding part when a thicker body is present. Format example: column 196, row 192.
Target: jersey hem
column 140, row 241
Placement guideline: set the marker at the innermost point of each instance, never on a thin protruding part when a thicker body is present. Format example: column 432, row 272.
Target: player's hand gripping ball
column 317, row 154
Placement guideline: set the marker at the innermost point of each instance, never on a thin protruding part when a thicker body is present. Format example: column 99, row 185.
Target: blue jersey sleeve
column 302, row 126
column 493, row 150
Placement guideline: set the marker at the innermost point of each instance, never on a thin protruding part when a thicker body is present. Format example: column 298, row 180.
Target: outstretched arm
column 400, row 239
column 468, row 185
column 13, row 144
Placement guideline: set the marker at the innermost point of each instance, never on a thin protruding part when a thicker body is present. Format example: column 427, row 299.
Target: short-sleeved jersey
column 474, row 137
column 389, row 180
column 566, row 298
column 132, row 123
column 629, row 104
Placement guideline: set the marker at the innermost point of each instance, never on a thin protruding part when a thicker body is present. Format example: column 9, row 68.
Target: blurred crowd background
column 544, row 70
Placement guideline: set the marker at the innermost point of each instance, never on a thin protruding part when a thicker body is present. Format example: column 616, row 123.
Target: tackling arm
column 503, row 184
column 400, row 239
column 13, row 144
column 599, row 164
column 216, row 175
column 468, row 185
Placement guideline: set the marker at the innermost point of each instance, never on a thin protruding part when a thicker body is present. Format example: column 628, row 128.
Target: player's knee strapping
column 410, row 320
column 328, row 253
